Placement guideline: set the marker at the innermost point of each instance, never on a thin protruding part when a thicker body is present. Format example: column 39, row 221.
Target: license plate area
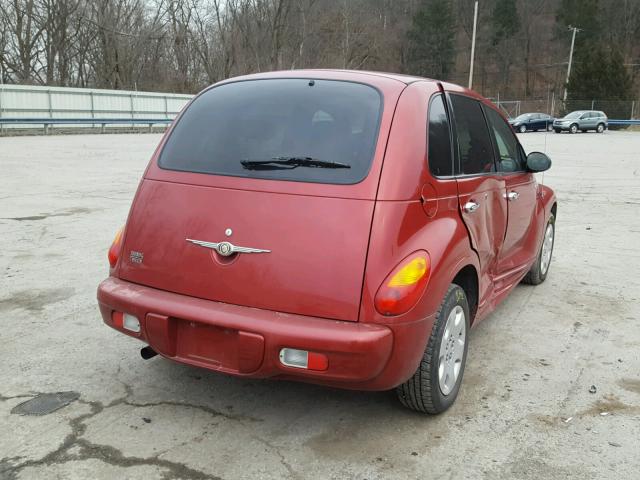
column 206, row 345
column 209, row 344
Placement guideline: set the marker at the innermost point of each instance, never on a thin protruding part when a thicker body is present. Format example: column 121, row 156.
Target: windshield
column 262, row 120
column 573, row 115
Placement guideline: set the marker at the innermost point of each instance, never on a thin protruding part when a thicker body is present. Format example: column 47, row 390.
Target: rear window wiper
column 288, row 163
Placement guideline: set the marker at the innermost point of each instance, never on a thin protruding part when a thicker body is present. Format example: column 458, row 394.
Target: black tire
column 522, row 129
column 550, row 128
column 422, row 391
column 557, row 130
column 600, row 128
column 536, row 275
column 573, row 128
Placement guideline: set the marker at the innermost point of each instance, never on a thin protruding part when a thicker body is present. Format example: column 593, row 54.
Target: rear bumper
column 246, row 342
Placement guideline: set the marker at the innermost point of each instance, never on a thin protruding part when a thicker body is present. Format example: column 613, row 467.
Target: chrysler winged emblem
column 226, row 248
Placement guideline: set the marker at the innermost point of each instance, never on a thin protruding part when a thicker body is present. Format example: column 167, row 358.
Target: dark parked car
column 335, row 227
column 583, row 120
column 532, row 122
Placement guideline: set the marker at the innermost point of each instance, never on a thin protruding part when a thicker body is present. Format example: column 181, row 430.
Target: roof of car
column 330, row 72
column 363, row 76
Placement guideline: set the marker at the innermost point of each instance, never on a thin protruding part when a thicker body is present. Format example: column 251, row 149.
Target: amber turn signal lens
column 114, row 250
column 404, row 286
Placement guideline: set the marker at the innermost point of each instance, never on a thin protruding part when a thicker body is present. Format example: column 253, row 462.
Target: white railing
column 33, row 102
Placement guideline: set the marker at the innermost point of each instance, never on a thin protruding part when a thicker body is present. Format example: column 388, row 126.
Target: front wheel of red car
column 434, row 386
column 540, row 268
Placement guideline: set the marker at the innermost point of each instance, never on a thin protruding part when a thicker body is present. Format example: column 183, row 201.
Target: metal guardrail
column 624, row 122
column 46, row 122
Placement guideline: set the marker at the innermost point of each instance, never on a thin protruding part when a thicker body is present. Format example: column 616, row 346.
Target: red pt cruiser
column 335, row 227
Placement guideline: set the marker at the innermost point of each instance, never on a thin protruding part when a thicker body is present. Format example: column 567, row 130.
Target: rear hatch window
column 321, row 131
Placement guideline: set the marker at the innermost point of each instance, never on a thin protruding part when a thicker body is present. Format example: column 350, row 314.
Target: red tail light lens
column 404, row 286
column 114, row 250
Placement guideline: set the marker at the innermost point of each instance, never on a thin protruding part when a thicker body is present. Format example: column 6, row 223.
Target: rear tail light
column 114, row 250
column 292, row 357
column 404, row 286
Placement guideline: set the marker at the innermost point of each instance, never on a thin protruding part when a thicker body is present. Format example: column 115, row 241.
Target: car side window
column 584, row 116
column 475, row 152
column 509, row 157
column 439, row 141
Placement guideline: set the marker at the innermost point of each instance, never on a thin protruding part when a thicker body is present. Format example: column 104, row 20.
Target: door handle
column 470, row 206
column 512, row 196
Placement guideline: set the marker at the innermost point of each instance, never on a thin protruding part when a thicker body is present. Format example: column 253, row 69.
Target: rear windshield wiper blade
column 288, row 163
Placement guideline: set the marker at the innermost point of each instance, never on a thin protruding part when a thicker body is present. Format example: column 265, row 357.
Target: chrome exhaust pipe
column 147, row 352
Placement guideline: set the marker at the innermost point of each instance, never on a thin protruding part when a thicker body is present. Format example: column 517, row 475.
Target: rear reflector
column 292, row 357
column 117, row 319
column 126, row 321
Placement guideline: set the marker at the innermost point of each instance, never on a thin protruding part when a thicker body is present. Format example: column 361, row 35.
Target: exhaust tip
column 147, row 353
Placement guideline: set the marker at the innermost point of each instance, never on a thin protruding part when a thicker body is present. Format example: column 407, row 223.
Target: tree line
column 522, row 46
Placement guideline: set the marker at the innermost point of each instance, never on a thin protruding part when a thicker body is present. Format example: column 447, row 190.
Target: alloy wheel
column 547, row 249
column 452, row 350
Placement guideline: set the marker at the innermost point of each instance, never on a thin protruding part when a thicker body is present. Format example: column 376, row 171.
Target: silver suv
column 582, row 120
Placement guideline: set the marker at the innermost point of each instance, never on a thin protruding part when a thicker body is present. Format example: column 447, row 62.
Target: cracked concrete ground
column 524, row 410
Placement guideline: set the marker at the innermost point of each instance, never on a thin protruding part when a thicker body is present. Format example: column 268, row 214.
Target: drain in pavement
column 45, row 403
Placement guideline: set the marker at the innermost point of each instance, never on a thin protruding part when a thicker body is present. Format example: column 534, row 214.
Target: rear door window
column 283, row 120
column 439, row 141
column 475, row 152
column 506, row 145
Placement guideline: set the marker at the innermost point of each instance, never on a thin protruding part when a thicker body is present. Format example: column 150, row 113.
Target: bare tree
column 183, row 45
column 22, row 50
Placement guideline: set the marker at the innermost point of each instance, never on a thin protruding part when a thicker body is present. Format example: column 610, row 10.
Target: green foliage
column 600, row 74
column 582, row 14
column 505, row 21
column 431, row 40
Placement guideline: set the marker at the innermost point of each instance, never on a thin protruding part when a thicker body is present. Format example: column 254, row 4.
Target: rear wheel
column 573, row 128
column 540, row 268
column 434, row 386
column 600, row 128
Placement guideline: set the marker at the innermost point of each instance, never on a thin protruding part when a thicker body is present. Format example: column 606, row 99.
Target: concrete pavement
column 524, row 410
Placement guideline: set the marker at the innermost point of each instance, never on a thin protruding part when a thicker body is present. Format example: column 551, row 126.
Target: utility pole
column 573, row 42
column 473, row 43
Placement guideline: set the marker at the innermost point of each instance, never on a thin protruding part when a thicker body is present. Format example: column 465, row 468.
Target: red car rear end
column 288, row 226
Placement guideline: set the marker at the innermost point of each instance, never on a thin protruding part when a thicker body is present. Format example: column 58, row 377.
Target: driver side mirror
column 538, row 162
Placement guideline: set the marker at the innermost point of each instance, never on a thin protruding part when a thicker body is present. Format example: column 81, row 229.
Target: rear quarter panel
column 414, row 211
